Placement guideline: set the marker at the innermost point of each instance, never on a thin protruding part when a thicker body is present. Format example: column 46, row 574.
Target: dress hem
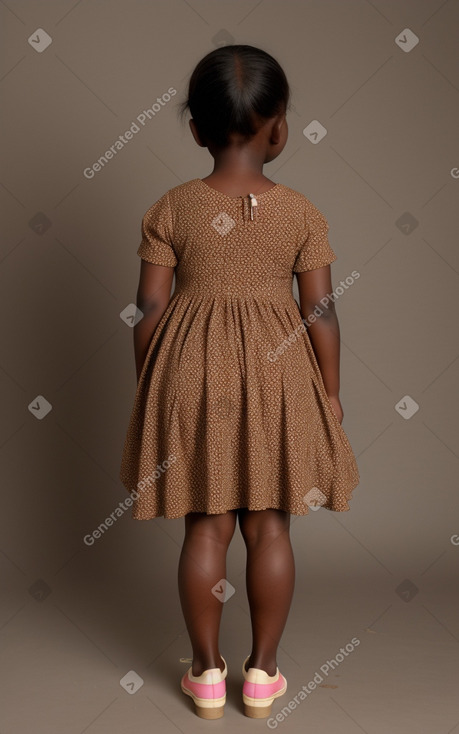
column 271, row 506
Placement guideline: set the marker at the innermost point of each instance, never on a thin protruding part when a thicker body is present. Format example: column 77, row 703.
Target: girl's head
column 235, row 89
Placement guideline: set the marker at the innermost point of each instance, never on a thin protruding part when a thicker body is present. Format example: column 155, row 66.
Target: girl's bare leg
column 202, row 564
column 270, row 580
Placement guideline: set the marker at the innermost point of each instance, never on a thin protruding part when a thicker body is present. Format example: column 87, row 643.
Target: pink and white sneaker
column 260, row 689
column 207, row 690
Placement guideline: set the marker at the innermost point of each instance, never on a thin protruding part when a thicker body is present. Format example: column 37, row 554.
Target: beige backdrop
column 381, row 78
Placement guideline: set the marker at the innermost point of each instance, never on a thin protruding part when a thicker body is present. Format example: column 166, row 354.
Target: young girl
column 237, row 413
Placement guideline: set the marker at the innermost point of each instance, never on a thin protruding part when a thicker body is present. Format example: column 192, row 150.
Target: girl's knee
column 219, row 528
column 257, row 523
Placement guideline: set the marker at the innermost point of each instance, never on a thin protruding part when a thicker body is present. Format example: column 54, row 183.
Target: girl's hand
column 336, row 405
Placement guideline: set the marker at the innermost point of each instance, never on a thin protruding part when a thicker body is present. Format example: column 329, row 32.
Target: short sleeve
column 156, row 245
column 315, row 250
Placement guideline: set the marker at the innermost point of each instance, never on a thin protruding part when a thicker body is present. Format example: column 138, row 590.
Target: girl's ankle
column 269, row 668
column 201, row 667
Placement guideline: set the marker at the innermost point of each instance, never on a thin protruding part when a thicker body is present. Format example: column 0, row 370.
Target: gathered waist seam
column 202, row 295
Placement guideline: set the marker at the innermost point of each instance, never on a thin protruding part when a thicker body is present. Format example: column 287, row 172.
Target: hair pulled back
column 233, row 89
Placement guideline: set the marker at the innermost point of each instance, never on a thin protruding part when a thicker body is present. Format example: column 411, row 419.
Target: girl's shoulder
column 298, row 198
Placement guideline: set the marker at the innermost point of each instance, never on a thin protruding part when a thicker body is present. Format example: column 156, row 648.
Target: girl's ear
column 276, row 130
column 196, row 135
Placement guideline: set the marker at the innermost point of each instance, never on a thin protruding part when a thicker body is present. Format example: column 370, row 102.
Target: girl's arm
column 323, row 332
column 153, row 296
